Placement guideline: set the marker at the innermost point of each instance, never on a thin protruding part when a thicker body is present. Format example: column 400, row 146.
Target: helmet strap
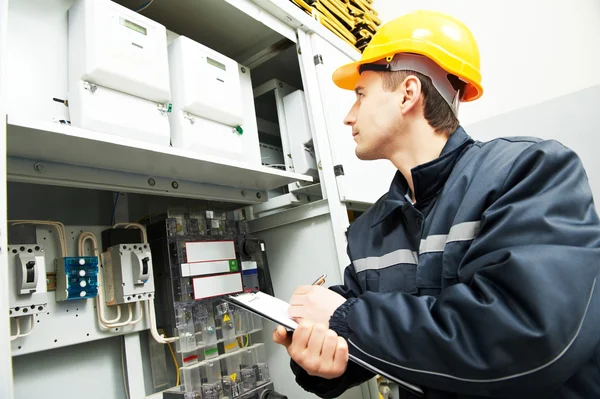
column 424, row 65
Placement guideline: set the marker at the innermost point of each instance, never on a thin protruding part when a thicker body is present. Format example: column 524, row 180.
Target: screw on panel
column 243, row 70
column 175, row 185
column 39, row 167
column 151, row 182
column 280, row 84
column 243, row 193
column 258, row 195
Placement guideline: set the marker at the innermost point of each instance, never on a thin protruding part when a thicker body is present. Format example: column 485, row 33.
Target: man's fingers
column 301, row 337
column 281, row 337
column 328, row 350
column 340, row 359
column 317, row 337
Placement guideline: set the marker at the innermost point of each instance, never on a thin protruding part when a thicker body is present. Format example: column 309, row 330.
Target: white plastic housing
column 299, row 136
column 124, row 54
column 211, row 95
column 205, row 83
column 127, row 273
column 21, row 303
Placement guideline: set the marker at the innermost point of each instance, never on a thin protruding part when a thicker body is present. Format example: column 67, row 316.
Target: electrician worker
column 477, row 274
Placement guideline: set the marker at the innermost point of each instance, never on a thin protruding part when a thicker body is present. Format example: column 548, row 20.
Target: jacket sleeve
column 523, row 317
column 355, row 374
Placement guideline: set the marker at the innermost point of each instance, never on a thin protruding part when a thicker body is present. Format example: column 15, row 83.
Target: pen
column 320, row 280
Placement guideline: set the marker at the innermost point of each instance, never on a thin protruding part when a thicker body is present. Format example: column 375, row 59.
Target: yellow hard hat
column 439, row 37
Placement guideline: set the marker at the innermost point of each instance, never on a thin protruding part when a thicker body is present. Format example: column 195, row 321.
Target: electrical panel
column 76, row 278
column 27, row 280
column 118, row 72
column 299, row 135
column 208, row 103
column 128, row 273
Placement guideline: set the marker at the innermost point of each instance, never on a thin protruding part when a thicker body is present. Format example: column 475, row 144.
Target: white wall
column 523, row 61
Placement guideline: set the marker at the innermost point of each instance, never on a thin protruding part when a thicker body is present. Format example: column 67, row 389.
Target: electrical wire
column 136, row 225
column 31, row 324
column 174, row 361
column 144, row 6
column 112, row 218
column 18, row 322
column 157, row 337
column 62, row 236
column 13, row 337
column 100, row 302
column 123, row 367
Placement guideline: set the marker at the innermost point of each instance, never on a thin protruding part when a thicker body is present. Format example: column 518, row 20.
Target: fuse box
column 76, row 278
column 128, row 273
column 27, row 280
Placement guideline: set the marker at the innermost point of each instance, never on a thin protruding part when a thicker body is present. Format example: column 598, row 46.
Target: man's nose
column 350, row 118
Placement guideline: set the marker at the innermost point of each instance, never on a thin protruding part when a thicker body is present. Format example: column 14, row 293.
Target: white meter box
column 118, row 71
column 213, row 108
column 128, row 275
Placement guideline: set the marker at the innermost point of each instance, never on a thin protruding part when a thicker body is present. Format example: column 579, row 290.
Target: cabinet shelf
column 81, row 149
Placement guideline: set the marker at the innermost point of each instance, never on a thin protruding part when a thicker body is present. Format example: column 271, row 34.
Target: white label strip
column 208, row 287
column 250, row 265
column 207, row 251
column 205, row 268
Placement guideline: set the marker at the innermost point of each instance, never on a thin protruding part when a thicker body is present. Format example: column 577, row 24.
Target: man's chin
column 365, row 155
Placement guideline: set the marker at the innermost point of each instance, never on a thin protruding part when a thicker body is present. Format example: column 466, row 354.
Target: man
column 476, row 275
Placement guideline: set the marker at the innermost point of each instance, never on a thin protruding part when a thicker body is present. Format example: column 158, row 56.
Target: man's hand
column 314, row 303
column 315, row 348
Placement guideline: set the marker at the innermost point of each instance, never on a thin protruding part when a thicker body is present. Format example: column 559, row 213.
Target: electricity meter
column 118, row 72
column 213, row 106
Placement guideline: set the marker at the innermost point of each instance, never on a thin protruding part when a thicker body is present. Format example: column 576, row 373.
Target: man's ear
column 411, row 91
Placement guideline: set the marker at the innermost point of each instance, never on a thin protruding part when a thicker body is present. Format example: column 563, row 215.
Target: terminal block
column 76, row 278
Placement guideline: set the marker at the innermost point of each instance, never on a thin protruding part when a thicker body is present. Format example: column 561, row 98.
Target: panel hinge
column 318, row 59
column 338, row 170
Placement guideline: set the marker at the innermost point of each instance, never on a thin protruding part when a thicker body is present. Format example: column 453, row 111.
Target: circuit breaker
column 118, row 72
column 128, row 273
column 208, row 103
column 27, row 280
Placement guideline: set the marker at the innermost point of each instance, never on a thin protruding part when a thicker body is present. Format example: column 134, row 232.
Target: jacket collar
column 428, row 178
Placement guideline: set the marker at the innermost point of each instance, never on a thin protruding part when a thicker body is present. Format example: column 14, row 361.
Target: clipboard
column 276, row 310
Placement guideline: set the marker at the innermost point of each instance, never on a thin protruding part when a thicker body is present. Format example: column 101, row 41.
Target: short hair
column 436, row 110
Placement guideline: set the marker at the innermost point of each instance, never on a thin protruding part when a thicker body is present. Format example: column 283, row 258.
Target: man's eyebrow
column 358, row 88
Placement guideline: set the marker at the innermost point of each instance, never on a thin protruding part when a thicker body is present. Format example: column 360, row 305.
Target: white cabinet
column 360, row 182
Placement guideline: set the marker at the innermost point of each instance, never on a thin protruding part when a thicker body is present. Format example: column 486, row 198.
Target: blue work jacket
column 487, row 286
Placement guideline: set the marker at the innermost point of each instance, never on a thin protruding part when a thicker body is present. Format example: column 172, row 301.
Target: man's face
column 375, row 118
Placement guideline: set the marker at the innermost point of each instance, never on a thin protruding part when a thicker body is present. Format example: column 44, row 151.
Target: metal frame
column 61, row 174
column 6, row 372
column 339, row 215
